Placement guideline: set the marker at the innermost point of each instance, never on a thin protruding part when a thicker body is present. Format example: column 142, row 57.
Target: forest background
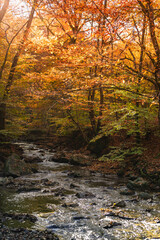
column 89, row 68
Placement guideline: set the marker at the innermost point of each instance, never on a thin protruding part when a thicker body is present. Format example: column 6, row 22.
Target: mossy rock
column 138, row 184
column 15, row 166
column 97, row 146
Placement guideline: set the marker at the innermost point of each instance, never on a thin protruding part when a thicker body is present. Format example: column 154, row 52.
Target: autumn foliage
column 86, row 65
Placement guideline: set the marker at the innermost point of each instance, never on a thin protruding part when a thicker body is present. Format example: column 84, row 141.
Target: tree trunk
column 91, row 95
column 142, row 42
column 159, row 110
column 2, row 115
column 101, row 102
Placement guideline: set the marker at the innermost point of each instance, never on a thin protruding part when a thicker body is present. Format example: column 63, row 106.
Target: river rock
column 139, row 184
column 85, row 195
column 2, row 181
column 20, row 217
column 22, row 234
column 127, row 192
column 33, row 160
column 144, row 195
column 28, row 189
column 15, row 166
column 79, row 217
column 111, row 225
column 98, row 145
column 73, row 159
column 72, row 205
column 74, row 175
column 72, row 185
column 120, row 204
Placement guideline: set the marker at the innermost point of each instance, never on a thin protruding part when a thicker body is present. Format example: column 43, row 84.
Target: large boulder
column 77, row 159
column 98, row 145
column 15, row 166
column 138, row 184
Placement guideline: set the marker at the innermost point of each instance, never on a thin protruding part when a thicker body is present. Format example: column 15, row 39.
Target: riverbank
column 146, row 164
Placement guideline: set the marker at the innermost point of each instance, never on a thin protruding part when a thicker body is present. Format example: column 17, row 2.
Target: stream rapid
column 77, row 204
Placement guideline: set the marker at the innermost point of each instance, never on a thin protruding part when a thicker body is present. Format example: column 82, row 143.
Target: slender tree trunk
column 159, row 110
column 2, row 115
column 101, row 102
column 78, row 126
column 142, row 42
column 91, row 95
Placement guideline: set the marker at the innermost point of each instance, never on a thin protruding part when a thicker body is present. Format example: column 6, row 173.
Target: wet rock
column 61, row 226
column 44, row 180
column 73, row 159
column 59, row 192
column 79, row 217
column 2, row 181
column 28, row 189
column 149, row 210
column 127, row 192
column 93, row 204
column 33, row 160
column 20, row 217
column 25, row 234
column 112, row 224
column 59, row 159
column 115, row 214
column 139, row 184
column 85, row 195
column 15, row 166
column 62, row 192
column 73, row 186
column 79, row 160
column 98, row 145
column 157, row 221
column 34, row 170
column 51, row 184
column 134, row 200
column 72, row 205
column 120, row 204
column 144, row 196
column 74, row 175
column 131, row 177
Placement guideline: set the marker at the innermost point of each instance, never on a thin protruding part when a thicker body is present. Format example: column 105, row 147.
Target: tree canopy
column 91, row 65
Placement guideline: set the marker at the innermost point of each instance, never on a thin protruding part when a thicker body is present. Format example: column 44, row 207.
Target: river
column 80, row 205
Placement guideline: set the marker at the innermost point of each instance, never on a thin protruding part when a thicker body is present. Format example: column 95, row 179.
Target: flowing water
column 77, row 204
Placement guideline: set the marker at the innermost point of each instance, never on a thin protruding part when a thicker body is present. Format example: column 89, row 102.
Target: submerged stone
column 120, row 204
column 85, row 195
column 79, row 217
column 144, row 196
column 139, row 184
column 127, row 192
column 112, row 224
